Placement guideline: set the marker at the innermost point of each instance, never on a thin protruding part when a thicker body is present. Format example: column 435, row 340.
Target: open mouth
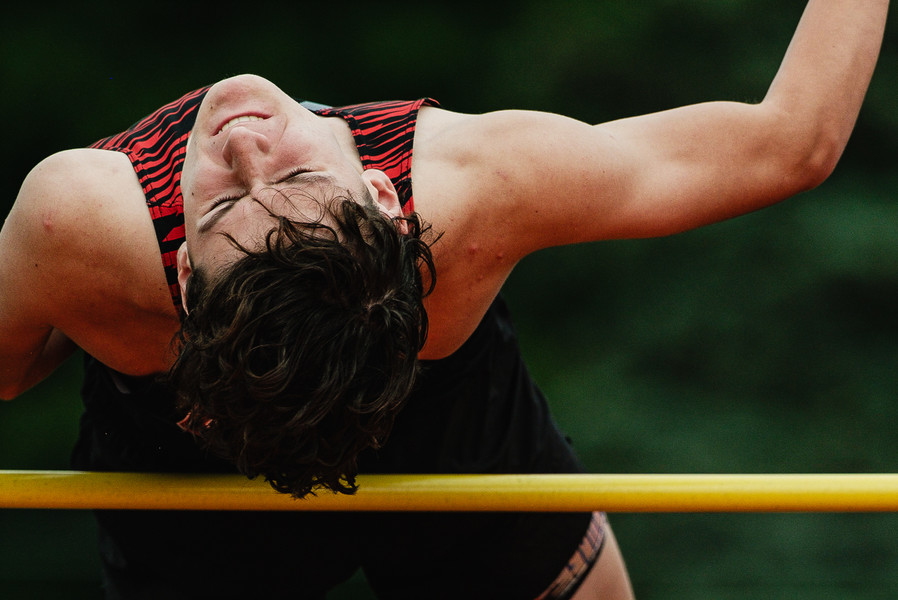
column 236, row 120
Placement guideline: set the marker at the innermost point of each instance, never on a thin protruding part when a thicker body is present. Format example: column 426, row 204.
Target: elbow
column 808, row 154
column 9, row 392
column 12, row 387
column 802, row 169
column 818, row 162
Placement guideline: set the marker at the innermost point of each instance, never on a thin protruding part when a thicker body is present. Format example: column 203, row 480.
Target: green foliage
column 766, row 344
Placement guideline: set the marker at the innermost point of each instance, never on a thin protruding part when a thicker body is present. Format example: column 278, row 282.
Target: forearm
column 821, row 83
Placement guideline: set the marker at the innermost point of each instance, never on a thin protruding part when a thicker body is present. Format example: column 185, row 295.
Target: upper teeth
column 241, row 119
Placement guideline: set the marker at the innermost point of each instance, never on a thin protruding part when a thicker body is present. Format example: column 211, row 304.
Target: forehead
column 254, row 214
column 305, row 198
column 249, row 227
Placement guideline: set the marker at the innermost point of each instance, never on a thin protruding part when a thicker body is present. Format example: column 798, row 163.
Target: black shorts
column 477, row 411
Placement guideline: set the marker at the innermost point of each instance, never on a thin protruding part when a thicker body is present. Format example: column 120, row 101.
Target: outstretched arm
column 562, row 181
column 509, row 183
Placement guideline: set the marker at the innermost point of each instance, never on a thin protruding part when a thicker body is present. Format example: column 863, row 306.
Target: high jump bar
column 459, row 493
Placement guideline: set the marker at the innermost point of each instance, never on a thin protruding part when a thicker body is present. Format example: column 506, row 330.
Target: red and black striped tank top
column 156, row 146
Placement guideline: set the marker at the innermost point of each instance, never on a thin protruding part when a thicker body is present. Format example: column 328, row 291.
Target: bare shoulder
column 481, row 182
column 78, row 253
column 498, row 161
column 433, row 121
column 63, row 195
column 496, row 187
column 75, row 209
column 446, row 135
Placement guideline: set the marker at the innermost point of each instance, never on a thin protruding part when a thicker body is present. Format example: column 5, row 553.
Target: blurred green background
column 768, row 344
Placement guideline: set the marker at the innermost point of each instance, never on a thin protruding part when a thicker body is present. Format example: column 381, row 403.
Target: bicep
column 567, row 182
column 693, row 166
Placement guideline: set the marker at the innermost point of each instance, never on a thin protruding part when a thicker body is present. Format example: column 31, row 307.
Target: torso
column 471, row 266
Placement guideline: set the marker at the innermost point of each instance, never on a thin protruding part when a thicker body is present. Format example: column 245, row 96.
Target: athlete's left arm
column 501, row 185
column 671, row 171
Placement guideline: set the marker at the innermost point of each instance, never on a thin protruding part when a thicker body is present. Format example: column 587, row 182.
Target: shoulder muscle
column 78, row 254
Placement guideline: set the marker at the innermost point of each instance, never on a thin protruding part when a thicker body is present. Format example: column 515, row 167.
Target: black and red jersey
column 383, row 133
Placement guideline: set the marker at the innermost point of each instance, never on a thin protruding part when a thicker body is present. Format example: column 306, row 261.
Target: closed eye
column 219, row 201
column 293, row 173
column 299, row 176
column 213, row 215
column 302, row 176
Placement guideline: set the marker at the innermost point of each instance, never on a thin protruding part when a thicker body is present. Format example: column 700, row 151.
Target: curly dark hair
column 299, row 355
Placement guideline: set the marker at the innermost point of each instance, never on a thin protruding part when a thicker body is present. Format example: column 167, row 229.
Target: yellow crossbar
column 565, row 493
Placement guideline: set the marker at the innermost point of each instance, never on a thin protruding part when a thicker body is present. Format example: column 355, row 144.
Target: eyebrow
column 303, row 178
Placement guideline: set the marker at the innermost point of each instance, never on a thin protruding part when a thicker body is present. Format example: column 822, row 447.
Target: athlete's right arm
column 79, row 268
column 30, row 346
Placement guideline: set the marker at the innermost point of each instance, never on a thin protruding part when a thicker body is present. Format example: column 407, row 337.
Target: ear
column 385, row 195
column 184, row 272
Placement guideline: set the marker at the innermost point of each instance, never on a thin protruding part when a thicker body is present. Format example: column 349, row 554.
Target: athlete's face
column 255, row 151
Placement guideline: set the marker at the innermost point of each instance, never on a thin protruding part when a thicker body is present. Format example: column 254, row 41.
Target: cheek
column 189, row 208
column 192, row 189
column 187, row 184
column 194, row 172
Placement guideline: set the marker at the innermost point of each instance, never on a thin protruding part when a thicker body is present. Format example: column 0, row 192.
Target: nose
column 244, row 148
